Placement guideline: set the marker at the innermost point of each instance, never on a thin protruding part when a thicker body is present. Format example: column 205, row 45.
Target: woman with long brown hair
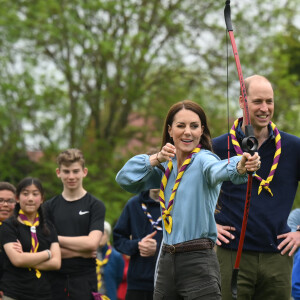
column 189, row 188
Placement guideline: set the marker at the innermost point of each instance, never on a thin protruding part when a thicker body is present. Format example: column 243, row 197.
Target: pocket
column 211, row 291
column 158, row 296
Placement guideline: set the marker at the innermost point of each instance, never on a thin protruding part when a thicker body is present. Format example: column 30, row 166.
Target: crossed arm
column 80, row 246
column 39, row 260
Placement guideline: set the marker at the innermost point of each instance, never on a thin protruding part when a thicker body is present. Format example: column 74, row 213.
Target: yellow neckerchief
column 166, row 212
column 101, row 263
column 34, row 240
column 263, row 183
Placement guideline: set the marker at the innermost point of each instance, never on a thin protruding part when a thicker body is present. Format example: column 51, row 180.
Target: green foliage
column 74, row 73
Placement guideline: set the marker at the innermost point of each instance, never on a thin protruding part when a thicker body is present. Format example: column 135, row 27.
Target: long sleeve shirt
column 132, row 226
column 196, row 196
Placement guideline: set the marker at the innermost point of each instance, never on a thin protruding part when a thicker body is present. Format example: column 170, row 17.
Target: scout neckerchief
column 98, row 296
column 155, row 224
column 263, row 183
column 101, row 263
column 166, row 212
column 34, row 240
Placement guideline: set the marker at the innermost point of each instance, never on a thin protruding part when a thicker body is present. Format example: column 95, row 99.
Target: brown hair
column 69, row 157
column 196, row 108
column 7, row 187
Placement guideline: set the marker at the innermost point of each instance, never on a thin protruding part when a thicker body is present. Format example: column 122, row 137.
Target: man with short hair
column 266, row 262
column 7, row 200
column 79, row 220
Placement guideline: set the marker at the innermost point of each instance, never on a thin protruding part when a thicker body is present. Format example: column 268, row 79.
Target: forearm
column 54, row 263
column 28, row 260
column 67, row 253
column 216, row 171
column 126, row 246
column 81, row 243
column 138, row 175
column 78, row 244
column 235, row 172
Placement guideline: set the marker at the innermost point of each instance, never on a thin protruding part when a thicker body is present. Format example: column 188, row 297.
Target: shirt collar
column 240, row 134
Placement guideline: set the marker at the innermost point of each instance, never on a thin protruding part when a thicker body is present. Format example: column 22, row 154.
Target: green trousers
column 262, row 276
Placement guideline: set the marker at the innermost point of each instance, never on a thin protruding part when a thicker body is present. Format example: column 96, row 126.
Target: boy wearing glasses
column 7, row 200
column 7, row 205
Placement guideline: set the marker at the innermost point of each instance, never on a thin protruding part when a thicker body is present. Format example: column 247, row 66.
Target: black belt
column 193, row 245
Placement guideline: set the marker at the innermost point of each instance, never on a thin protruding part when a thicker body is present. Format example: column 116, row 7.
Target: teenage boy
column 79, row 220
column 7, row 206
column 7, row 200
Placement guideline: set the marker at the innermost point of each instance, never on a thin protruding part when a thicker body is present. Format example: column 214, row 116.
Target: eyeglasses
column 7, row 201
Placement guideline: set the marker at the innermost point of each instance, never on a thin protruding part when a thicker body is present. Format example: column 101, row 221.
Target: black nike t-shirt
column 76, row 218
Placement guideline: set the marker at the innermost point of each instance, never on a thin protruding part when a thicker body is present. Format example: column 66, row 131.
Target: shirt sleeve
column 138, row 175
column 97, row 216
column 216, row 171
column 47, row 210
column 294, row 219
column 120, row 269
column 8, row 233
column 121, row 235
column 54, row 237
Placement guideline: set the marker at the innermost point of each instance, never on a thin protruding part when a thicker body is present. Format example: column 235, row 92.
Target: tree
column 72, row 72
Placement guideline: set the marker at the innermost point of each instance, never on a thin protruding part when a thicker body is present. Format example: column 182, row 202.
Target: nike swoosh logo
column 83, row 212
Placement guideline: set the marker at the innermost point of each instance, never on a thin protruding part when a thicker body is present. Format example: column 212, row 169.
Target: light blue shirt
column 294, row 219
column 196, row 196
column 293, row 222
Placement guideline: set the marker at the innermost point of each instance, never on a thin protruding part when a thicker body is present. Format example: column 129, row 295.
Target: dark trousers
column 189, row 275
column 73, row 287
column 139, row 295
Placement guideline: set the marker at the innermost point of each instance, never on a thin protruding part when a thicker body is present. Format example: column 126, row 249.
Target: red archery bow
column 249, row 144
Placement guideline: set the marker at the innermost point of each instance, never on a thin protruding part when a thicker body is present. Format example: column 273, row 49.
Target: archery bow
column 249, row 144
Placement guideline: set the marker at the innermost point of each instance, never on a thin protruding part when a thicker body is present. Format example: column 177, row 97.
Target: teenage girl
column 31, row 246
